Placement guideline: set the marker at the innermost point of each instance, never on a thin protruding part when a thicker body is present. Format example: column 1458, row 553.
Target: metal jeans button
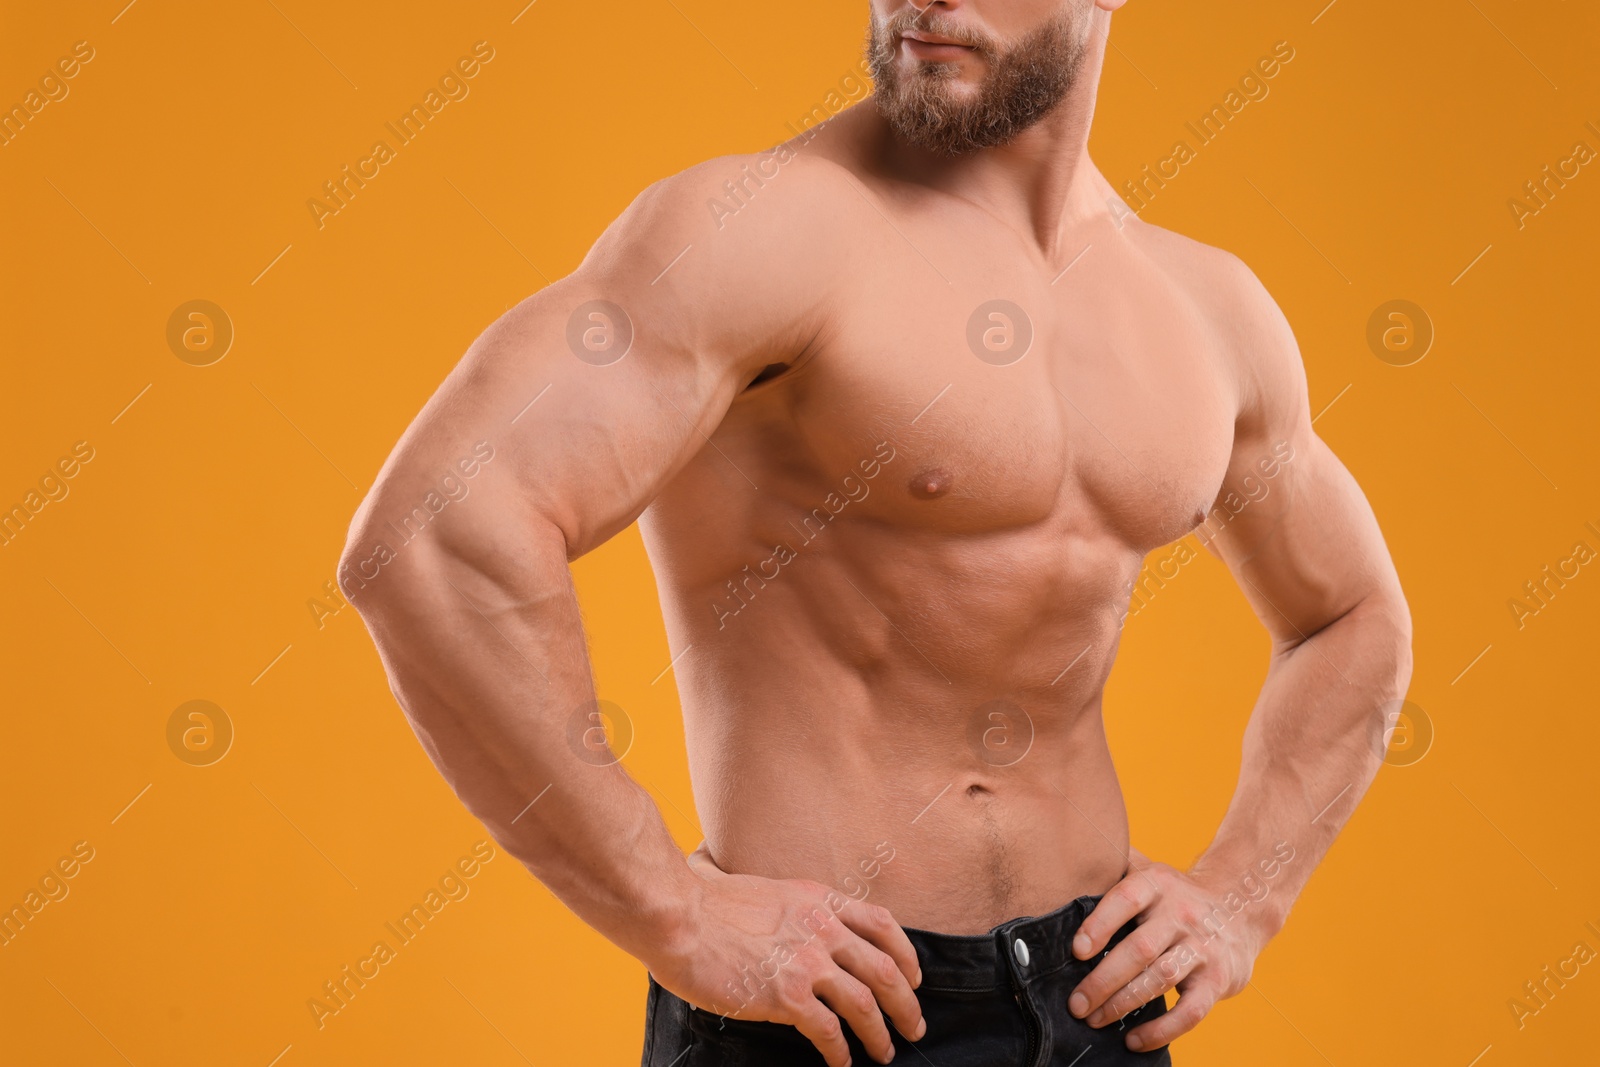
column 1019, row 949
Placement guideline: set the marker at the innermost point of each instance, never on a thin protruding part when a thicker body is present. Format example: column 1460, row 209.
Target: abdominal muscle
column 953, row 819
column 908, row 715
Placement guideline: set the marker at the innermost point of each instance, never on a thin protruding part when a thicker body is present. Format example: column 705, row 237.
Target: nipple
column 931, row 484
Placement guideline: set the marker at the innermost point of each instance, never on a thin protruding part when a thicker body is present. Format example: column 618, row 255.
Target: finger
column 879, row 972
column 1164, row 974
column 1121, row 903
column 854, row 1002
column 877, row 925
column 822, row 1028
column 1195, row 1001
column 1125, row 963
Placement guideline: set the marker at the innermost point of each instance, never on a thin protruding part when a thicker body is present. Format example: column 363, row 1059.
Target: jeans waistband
column 1019, row 950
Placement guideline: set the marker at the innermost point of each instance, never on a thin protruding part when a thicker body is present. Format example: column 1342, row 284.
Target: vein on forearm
column 1313, row 743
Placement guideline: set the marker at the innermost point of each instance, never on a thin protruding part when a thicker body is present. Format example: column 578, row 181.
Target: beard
column 1022, row 84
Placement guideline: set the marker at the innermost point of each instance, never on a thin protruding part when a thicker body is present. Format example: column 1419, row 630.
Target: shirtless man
column 900, row 431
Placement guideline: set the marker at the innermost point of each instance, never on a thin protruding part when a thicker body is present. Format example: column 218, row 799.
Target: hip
column 989, row 999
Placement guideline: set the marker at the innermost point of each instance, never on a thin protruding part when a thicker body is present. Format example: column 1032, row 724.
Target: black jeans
column 990, row 1000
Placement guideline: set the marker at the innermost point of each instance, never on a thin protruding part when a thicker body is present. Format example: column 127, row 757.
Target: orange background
column 179, row 567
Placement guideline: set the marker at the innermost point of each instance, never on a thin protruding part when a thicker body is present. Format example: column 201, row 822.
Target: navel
column 931, row 484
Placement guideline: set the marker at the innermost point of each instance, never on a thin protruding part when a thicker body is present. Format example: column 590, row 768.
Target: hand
column 799, row 953
column 1184, row 941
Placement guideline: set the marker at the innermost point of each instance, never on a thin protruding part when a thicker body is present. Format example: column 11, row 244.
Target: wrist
column 667, row 926
column 1254, row 893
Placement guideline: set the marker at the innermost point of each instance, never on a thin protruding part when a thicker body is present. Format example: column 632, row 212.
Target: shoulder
column 784, row 202
column 1256, row 342
column 737, row 258
column 1220, row 283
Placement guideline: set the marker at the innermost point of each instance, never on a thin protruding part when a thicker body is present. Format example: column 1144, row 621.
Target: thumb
column 701, row 863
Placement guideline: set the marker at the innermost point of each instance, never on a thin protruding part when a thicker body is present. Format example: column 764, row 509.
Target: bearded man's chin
column 929, row 108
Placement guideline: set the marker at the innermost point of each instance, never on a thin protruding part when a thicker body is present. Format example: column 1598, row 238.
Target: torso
column 930, row 555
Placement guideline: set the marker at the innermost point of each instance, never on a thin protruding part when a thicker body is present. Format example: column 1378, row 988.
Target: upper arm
column 629, row 364
column 1290, row 521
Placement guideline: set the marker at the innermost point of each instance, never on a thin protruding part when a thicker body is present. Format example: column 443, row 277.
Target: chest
column 999, row 405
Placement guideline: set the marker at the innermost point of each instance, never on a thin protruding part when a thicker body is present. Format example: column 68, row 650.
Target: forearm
column 1311, row 749
column 491, row 668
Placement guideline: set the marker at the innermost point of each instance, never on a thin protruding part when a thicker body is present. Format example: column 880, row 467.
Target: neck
column 1042, row 182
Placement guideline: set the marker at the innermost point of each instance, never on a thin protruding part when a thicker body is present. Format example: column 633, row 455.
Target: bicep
column 595, row 391
column 1303, row 545
column 567, row 411
column 598, row 406
column 1290, row 522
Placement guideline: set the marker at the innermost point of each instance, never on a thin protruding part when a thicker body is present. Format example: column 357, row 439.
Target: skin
column 974, row 533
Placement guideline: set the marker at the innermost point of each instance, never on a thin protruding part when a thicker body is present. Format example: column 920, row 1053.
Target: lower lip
column 937, row 53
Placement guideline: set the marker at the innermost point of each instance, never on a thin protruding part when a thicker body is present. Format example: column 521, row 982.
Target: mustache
column 935, row 22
